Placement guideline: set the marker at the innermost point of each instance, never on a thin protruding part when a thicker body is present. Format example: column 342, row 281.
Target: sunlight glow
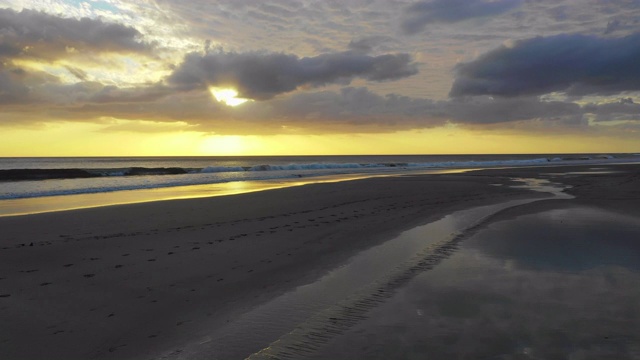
column 222, row 145
column 158, row 139
column 227, row 96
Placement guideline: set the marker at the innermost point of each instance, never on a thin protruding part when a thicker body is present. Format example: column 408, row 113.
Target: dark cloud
column 34, row 34
column 347, row 110
column 487, row 110
column 17, row 84
column 116, row 95
column 12, row 89
column 623, row 109
column 419, row 15
column 364, row 110
column 93, row 102
column 573, row 64
column 40, row 89
column 262, row 76
column 367, row 44
column 350, row 105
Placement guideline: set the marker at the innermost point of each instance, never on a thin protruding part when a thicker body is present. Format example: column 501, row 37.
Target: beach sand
column 142, row 280
column 555, row 284
column 552, row 279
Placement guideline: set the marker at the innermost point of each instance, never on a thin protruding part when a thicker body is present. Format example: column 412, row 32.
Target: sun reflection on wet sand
column 26, row 206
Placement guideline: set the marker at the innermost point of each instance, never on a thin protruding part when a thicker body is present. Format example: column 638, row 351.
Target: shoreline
column 44, row 204
column 142, row 279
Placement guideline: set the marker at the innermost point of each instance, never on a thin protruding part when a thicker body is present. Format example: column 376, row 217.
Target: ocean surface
column 22, row 178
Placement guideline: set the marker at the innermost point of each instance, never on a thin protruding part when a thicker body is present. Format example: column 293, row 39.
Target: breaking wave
column 39, row 182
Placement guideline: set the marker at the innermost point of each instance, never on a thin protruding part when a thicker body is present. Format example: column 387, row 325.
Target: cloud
column 573, row 64
column 349, row 106
column 37, row 35
column 43, row 90
column 486, row 110
column 78, row 73
column 367, row 44
column 358, row 109
column 623, row 109
column 17, row 84
column 91, row 102
column 419, row 15
column 261, row 76
column 347, row 110
column 12, row 90
column 30, row 38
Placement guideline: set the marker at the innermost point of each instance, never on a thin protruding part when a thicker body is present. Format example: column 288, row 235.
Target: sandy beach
column 551, row 279
column 141, row 281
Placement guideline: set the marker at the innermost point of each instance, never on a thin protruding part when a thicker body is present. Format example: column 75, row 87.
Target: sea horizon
column 318, row 155
column 44, row 184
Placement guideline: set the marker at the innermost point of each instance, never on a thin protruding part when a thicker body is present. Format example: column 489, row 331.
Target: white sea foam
column 215, row 169
column 316, row 166
column 116, row 179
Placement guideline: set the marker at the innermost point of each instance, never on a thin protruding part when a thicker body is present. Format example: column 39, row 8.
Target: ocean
column 119, row 177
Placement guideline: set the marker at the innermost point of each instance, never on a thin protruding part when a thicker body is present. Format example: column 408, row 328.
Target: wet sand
column 555, row 284
column 142, row 280
column 554, row 279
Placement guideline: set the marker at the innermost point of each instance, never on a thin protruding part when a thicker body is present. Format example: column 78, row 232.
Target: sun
column 227, row 96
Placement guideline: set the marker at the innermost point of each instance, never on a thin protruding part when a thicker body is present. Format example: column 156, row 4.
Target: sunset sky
column 274, row 77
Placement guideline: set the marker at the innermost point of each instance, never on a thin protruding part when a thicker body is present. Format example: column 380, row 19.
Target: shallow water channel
column 558, row 284
column 299, row 323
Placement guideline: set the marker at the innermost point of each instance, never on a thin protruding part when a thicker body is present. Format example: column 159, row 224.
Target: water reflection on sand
column 560, row 284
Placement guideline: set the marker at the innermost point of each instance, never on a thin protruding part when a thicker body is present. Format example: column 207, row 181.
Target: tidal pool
column 559, row 284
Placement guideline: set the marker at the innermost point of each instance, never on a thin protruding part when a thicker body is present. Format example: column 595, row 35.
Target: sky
column 302, row 77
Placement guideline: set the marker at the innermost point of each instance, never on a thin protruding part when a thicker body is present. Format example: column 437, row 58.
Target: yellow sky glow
column 72, row 139
column 167, row 80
